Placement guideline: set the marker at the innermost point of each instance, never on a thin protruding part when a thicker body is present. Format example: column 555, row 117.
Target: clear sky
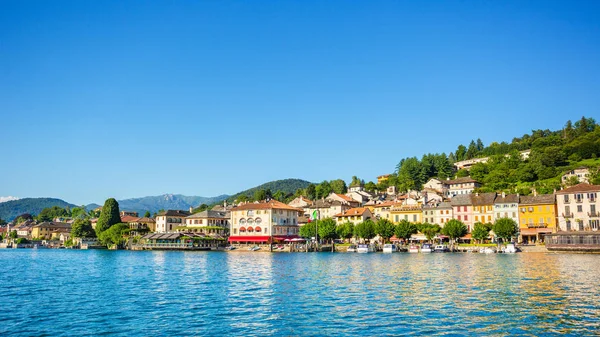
column 126, row 99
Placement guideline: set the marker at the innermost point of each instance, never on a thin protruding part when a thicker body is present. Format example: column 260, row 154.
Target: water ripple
column 95, row 293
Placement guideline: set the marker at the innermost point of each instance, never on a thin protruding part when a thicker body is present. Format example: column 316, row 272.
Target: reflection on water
column 244, row 293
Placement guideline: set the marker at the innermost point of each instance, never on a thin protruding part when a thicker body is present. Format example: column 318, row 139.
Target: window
column 476, row 218
column 514, row 214
column 459, row 218
column 566, row 198
column 579, row 208
column 489, row 218
column 466, row 218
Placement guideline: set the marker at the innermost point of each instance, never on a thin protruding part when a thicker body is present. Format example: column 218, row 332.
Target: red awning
column 242, row 229
column 286, row 237
column 249, row 238
column 257, row 229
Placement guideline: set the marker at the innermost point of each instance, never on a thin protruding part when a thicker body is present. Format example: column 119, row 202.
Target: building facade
column 507, row 206
column 167, row 221
column 263, row 222
column 578, row 208
column 354, row 215
column 462, row 207
column 537, row 217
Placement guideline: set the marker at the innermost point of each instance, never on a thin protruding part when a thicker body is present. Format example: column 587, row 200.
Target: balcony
column 567, row 215
column 579, row 201
column 594, row 214
column 537, row 225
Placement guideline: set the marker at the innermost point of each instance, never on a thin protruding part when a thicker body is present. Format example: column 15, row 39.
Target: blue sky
column 124, row 99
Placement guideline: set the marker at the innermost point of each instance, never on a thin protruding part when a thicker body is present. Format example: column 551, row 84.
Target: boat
column 426, row 248
column 351, row 249
column 441, row 249
column 413, row 249
column 255, row 248
column 510, row 249
column 389, row 248
column 229, row 248
column 365, row 249
column 487, row 250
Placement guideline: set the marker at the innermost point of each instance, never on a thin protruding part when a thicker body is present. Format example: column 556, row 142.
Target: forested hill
column 552, row 154
column 11, row 209
column 285, row 186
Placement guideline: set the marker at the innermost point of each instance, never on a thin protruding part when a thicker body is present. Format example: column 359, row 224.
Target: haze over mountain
column 8, row 198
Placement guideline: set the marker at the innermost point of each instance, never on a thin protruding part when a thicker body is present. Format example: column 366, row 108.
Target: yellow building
column 411, row 213
column 537, row 216
column 483, row 207
column 354, row 215
column 383, row 178
column 50, row 230
column 381, row 211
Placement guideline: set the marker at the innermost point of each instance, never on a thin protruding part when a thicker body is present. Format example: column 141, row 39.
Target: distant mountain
column 285, row 185
column 91, row 207
column 11, row 209
column 166, row 201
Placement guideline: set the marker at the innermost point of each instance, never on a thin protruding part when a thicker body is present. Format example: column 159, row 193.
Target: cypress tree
column 109, row 215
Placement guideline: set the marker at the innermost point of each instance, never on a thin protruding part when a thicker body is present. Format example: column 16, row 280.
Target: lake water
column 122, row 293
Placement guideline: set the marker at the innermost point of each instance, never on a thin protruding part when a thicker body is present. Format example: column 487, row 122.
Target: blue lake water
column 122, row 293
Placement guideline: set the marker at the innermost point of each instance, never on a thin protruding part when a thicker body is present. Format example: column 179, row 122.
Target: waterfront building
column 462, row 207
column 264, row 222
column 207, row 222
column 537, row 217
column 578, row 208
column 142, row 225
column 382, row 210
column 582, row 174
column 412, row 213
column 438, row 214
column 24, row 231
column 483, row 207
column 167, row 221
column 50, row 230
column 300, row 202
column 507, row 206
column 354, row 215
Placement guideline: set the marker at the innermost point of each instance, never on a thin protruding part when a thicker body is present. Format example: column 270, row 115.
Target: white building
column 577, row 208
column 264, row 222
column 167, row 221
column 582, row 174
column 507, row 206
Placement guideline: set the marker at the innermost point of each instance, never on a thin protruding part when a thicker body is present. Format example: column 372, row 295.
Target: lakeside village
column 444, row 212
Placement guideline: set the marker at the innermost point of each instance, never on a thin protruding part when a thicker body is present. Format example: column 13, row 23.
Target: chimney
column 503, row 194
column 191, row 209
column 225, row 204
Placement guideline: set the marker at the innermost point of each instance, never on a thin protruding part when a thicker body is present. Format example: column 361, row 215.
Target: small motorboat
column 487, row 250
column 365, row 249
column 229, row 248
column 441, row 249
column 351, row 249
column 426, row 248
column 389, row 248
column 413, row 249
column 253, row 249
column 510, row 249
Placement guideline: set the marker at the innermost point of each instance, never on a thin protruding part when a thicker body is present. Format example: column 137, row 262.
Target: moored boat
column 413, row 249
column 426, row 248
column 389, row 248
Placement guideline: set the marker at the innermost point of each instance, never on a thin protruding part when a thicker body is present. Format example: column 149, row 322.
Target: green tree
column 13, row 234
column 404, row 230
column 147, row 214
column 430, row 230
column 2, row 222
column 385, row 229
column 338, row 186
column 48, row 214
column 323, row 189
column 454, row 229
column 109, row 216
column 82, row 228
column 355, row 181
column 370, row 186
column 365, row 230
column 480, row 232
column 114, row 235
column 78, row 212
column 461, row 153
column 241, row 198
column 279, row 196
column 327, row 229
column 311, row 192
column 505, row 228
column 308, row 230
column 260, row 195
column 346, row 230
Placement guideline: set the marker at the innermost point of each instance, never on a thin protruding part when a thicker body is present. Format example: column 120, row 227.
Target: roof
column 441, row 205
column 53, row 224
column 508, row 198
column 172, row 212
column 272, row 204
column 345, row 197
column 583, row 187
column 459, row 181
column 210, row 214
column 144, row 219
column 357, row 211
column 128, row 218
column 162, row 236
column 384, row 204
column 537, row 199
column 325, row 203
column 481, row 199
column 461, row 200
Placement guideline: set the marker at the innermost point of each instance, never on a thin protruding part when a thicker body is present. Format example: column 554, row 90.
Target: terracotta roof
column 583, row 187
column 482, row 199
column 508, row 198
column 537, row 199
column 273, row 204
column 384, row 204
column 345, row 197
column 144, row 219
column 54, row 224
column 353, row 212
column 128, row 218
